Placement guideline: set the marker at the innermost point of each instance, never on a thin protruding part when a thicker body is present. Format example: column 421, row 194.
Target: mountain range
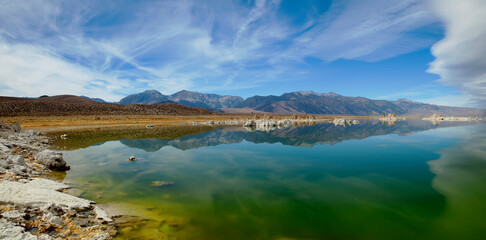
column 187, row 98
column 301, row 102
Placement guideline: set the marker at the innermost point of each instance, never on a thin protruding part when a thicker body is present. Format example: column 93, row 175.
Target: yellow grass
column 49, row 123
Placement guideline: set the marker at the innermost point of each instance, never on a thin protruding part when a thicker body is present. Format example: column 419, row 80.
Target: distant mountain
column 148, row 97
column 301, row 102
column 96, row 99
column 332, row 103
column 187, row 98
column 320, row 103
column 204, row 100
column 421, row 109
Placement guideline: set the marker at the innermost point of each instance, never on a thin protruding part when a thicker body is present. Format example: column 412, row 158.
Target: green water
column 412, row 180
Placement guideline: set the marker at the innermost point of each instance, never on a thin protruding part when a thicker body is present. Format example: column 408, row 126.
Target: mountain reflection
column 302, row 136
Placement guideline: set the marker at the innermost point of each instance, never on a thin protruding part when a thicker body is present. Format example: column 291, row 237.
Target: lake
column 406, row 180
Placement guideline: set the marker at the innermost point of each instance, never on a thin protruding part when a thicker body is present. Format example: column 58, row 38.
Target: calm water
column 412, row 180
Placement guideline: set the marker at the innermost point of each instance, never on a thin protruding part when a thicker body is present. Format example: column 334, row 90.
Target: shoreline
column 55, row 123
column 33, row 204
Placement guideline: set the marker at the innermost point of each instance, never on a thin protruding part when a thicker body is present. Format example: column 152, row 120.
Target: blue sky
column 430, row 51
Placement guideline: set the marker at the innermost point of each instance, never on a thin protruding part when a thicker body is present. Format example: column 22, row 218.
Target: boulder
column 30, row 133
column 16, row 127
column 284, row 123
column 4, row 126
column 3, row 148
column 12, row 214
column 9, row 230
column 52, row 219
column 52, row 160
column 250, row 123
column 20, row 170
column 5, row 165
column 16, row 159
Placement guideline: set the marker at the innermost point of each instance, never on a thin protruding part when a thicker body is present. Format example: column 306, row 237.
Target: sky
column 430, row 51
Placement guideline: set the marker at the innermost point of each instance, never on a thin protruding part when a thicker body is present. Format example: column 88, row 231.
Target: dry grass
column 49, row 123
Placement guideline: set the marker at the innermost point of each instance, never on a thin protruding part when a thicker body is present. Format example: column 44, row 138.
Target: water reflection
column 460, row 177
column 192, row 137
column 302, row 136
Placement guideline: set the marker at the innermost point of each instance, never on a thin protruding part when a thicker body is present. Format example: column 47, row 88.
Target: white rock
column 20, row 170
column 39, row 192
column 16, row 159
column 12, row 214
column 250, row 123
column 102, row 215
column 4, row 148
column 52, row 219
column 51, row 159
column 4, row 164
column 10, row 231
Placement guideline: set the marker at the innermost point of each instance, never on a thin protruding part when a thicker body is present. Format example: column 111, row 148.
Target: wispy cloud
column 429, row 90
column 368, row 30
column 108, row 49
column 33, row 71
column 432, row 93
column 460, row 56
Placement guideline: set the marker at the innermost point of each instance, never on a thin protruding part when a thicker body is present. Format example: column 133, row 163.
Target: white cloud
column 447, row 100
column 30, row 71
column 368, row 30
column 431, row 94
column 460, row 56
column 104, row 49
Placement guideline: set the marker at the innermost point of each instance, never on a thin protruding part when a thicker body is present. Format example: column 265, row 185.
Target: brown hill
column 69, row 99
column 65, row 105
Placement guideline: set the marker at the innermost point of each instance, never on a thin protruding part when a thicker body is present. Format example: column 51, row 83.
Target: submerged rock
column 52, row 160
column 162, row 183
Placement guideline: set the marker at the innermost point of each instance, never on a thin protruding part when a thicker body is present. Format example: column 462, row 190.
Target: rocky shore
column 270, row 124
column 439, row 117
column 344, row 122
column 264, row 124
column 33, row 206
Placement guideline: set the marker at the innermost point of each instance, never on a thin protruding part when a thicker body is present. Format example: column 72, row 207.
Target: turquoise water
column 412, row 180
